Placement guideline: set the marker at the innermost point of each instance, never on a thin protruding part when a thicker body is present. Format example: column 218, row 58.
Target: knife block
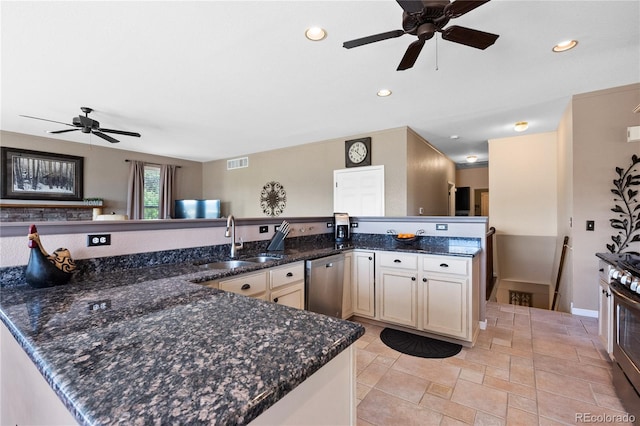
column 277, row 242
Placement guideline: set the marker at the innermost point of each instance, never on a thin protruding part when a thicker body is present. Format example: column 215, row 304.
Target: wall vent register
column 238, row 163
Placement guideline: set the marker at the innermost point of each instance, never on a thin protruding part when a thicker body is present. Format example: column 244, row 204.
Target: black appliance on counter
column 625, row 287
column 341, row 227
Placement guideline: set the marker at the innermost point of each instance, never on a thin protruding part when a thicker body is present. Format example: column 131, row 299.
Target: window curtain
column 135, row 194
column 167, row 189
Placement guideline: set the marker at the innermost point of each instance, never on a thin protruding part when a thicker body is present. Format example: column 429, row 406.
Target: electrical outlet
column 442, row 226
column 354, row 224
column 264, row 229
column 99, row 305
column 98, row 240
column 329, row 224
column 591, row 225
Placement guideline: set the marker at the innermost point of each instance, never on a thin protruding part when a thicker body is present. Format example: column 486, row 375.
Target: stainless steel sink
column 262, row 259
column 227, row 264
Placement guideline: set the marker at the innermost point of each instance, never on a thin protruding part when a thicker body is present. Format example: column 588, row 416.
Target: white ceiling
column 211, row 79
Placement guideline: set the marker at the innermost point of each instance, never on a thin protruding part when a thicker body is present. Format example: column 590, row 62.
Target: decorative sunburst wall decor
column 627, row 206
column 273, row 198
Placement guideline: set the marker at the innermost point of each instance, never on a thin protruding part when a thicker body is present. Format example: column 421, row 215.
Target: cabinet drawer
column 247, row 285
column 603, row 270
column 286, row 274
column 446, row 264
column 398, row 260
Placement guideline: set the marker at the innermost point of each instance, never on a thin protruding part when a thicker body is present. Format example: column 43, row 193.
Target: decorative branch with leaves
column 628, row 208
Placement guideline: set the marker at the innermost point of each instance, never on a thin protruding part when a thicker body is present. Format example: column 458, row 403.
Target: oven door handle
column 624, row 297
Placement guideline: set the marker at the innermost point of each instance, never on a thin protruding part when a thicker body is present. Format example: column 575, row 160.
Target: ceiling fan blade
column 105, row 137
column 372, row 39
column 120, row 132
column 44, row 119
column 460, row 7
column 411, row 6
column 411, row 55
column 62, row 131
column 469, row 37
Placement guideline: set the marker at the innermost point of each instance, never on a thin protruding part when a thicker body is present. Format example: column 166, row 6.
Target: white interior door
column 359, row 191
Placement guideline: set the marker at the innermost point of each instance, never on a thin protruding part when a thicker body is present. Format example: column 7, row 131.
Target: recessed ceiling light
column 315, row 33
column 521, row 126
column 565, row 45
column 472, row 158
column 384, row 93
column 454, row 137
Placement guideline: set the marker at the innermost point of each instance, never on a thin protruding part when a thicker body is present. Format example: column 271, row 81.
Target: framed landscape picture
column 36, row 175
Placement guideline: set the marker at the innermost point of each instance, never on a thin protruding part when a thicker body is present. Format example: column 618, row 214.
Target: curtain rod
column 154, row 164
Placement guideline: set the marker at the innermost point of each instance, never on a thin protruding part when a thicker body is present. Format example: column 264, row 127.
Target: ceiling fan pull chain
column 436, row 37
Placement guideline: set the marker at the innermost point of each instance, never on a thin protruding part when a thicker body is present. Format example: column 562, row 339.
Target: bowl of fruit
column 404, row 237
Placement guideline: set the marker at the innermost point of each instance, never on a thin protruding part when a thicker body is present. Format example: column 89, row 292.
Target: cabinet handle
column 424, row 280
column 444, row 265
column 413, row 278
column 289, row 274
column 245, row 286
column 601, row 269
column 604, row 291
column 275, row 300
column 398, row 261
column 370, row 258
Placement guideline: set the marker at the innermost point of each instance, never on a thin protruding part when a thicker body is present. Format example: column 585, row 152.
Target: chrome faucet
column 231, row 232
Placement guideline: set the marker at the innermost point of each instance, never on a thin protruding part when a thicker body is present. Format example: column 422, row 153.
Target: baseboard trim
column 584, row 312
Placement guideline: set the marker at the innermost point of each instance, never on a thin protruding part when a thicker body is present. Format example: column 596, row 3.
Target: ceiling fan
column 423, row 18
column 87, row 125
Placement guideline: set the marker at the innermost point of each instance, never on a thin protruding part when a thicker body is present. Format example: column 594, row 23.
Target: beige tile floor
column 529, row 367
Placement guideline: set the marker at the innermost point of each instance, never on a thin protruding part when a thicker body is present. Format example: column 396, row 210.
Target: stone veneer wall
column 41, row 214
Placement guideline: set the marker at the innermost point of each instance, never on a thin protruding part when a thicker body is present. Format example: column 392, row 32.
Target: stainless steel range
column 625, row 286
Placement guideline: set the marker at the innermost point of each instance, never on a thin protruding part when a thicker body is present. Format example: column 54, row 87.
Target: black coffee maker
column 341, row 227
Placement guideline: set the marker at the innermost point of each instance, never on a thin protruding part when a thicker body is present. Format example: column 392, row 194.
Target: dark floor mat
column 412, row 344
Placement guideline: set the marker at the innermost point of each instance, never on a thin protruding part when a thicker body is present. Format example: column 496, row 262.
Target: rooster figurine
column 43, row 269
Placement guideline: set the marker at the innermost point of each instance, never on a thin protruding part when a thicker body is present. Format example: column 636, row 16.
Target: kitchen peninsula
column 151, row 344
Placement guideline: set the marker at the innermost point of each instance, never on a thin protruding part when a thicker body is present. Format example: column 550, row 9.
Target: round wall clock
column 357, row 152
column 273, row 199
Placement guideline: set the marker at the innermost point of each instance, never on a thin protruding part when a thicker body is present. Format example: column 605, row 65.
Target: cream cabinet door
column 290, row 296
column 445, row 305
column 347, row 303
column 362, row 284
column 398, row 297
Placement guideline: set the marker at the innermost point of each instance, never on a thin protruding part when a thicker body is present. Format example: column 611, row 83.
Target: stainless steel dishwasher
column 323, row 285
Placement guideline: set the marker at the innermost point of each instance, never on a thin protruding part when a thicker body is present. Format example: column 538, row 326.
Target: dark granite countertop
column 167, row 350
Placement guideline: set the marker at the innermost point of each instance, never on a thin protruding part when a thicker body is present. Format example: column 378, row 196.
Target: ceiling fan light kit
column 87, row 125
column 423, row 19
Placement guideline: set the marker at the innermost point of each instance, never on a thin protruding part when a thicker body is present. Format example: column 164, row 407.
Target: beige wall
column 476, row 178
column 600, row 120
column 473, row 177
column 428, row 171
column 565, row 209
column 306, row 172
column 523, row 184
column 105, row 170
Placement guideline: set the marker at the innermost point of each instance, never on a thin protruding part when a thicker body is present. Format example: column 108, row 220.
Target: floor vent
column 238, row 163
column 520, row 298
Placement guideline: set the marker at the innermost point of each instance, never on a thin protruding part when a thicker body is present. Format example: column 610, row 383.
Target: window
column 151, row 192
